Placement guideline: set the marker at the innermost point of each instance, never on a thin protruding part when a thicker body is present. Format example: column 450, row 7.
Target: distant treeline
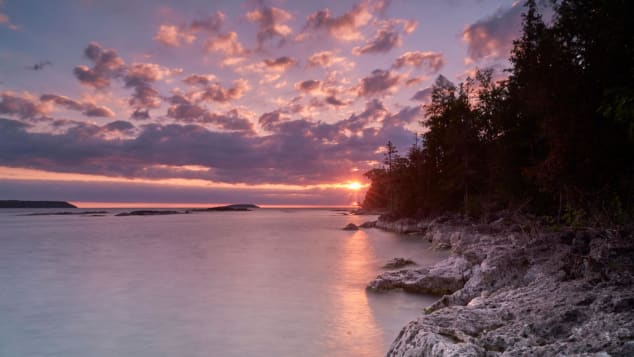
column 556, row 137
column 35, row 204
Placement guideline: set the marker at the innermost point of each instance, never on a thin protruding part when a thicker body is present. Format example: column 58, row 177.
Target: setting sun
column 354, row 186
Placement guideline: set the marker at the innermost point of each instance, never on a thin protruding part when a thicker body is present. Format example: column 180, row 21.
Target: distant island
column 234, row 207
column 35, row 204
column 230, row 208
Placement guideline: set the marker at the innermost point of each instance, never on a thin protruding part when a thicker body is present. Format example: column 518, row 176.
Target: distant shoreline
column 132, row 205
column 35, row 204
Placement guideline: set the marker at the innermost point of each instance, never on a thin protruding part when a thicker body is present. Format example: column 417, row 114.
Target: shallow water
column 271, row 282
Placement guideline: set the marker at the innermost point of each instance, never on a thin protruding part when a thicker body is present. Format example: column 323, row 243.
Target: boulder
column 368, row 224
column 443, row 278
column 397, row 263
column 351, row 227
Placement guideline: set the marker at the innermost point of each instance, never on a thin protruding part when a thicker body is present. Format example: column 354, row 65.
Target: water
column 271, row 282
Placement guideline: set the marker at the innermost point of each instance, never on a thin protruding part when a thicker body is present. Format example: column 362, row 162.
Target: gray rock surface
column 443, row 278
column 521, row 292
column 397, row 263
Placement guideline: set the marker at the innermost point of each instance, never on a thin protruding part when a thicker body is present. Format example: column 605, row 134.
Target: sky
column 271, row 102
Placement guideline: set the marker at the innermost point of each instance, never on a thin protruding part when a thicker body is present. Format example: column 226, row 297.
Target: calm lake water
column 271, row 282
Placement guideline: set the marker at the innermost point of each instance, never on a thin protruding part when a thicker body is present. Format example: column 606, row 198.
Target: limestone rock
column 397, row 263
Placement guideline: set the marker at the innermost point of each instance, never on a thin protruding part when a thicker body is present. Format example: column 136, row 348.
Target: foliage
column 559, row 131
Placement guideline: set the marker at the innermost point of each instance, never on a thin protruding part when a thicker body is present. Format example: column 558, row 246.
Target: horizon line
column 97, row 204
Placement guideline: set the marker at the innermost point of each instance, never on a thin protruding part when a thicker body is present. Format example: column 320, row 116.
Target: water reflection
column 278, row 283
column 356, row 330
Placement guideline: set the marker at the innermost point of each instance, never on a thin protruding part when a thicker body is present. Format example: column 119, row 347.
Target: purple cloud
column 88, row 109
column 492, row 37
column 23, row 106
column 430, row 62
column 106, row 65
column 380, row 82
column 384, row 41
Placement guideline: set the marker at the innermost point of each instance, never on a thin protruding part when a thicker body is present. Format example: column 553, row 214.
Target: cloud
column 380, row 82
column 387, row 36
column 24, row 106
column 211, row 24
column 183, row 109
column 405, row 116
column 271, row 23
column 281, row 63
column 6, row 21
column 430, row 62
column 208, row 90
column 412, row 81
column 332, row 100
column 295, row 151
column 144, row 73
column 492, row 37
column 269, row 70
column 384, row 41
column 232, row 120
column 309, row 86
column 106, row 65
column 40, row 65
column 216, row 93
column 88, row 109
column 140, row 114
column 227, row 44
column 268, row 121
column 173, row 36
column 423, row 95
column 327, row 59
column 140, row 77
column 345, row 27
column 120, row 126
column 199, row 79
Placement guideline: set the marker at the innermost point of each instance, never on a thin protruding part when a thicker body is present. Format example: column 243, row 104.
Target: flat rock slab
column 443, row 278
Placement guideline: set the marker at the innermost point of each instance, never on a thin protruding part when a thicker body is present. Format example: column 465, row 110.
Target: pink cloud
column 271, row 23
column 431, row 62
column 345, row 27
column 171, row 35
column 227, row 44
column 87, row 108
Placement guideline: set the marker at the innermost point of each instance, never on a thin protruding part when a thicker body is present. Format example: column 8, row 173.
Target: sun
column 353, row 186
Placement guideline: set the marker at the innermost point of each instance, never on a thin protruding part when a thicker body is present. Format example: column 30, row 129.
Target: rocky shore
column 516, row 288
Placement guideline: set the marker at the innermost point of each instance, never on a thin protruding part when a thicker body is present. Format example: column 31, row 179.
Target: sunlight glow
column 13, row 173
column 354, row 185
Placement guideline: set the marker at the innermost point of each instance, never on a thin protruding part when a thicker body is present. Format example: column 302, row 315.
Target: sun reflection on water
column 356, row 328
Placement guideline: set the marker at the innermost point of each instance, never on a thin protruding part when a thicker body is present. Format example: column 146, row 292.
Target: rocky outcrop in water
column 148, row 213
column 351, row 227
column 523, row 291
column 229, row 208
column 368, row 224
column 397, row 263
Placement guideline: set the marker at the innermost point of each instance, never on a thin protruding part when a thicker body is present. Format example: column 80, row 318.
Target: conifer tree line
column 556, row 137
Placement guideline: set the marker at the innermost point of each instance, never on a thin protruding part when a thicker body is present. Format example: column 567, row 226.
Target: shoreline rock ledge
column 528, row 293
